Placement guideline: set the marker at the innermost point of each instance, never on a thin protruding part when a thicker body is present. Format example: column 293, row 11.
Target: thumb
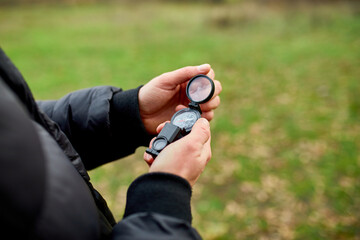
column 184, row 74
column 200, row 131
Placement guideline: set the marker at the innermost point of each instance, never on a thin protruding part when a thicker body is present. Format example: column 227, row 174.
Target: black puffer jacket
column 46, row 149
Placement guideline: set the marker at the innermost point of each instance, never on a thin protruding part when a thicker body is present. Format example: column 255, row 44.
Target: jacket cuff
column 125, row 116
column 162, row 193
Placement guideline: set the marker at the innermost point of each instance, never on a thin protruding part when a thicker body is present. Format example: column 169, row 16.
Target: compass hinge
column 195, row 106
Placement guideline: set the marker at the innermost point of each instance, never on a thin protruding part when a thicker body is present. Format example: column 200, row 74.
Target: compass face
column 185, row 118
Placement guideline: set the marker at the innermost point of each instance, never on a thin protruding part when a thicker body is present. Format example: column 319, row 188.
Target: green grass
column 286, row 139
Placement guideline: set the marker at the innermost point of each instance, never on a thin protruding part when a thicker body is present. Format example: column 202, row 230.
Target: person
column 48, row 147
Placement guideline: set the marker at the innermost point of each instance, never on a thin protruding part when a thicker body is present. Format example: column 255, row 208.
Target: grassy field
column 286, row 139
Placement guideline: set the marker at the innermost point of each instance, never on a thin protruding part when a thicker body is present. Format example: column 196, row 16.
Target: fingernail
column 204, row 67
column 205, row 122
column 147, row 157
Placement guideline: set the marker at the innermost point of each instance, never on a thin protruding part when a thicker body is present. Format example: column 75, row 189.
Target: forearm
column 102, row 123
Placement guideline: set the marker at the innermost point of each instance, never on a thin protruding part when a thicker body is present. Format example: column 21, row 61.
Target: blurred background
column 286, row 138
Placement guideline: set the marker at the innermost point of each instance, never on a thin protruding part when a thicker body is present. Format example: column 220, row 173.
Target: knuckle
column 218, row 100
column 164, row 75
column 218, row 86
column 205, row 133
column 191, row 146
column 209, row 156
column 209, row 115
column 188, row 71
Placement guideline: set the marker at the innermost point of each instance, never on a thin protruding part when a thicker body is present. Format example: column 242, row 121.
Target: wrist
column 147, row 123
column 162, row 193
column 125, row 112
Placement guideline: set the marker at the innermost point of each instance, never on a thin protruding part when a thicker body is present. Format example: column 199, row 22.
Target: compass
column 200, row 89
column 185, row 118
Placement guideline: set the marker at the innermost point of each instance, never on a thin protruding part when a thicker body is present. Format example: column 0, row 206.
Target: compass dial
column 185, row 118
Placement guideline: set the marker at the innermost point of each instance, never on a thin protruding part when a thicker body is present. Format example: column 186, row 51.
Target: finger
column 218, row 88
column 151, row 142
column 211, row 74
column 200, row 131
column 179, row 107
column 161, row 126
column 148, row 159
column 208, row 115
column 206, row 152
column 211, row 105
column 182, row 75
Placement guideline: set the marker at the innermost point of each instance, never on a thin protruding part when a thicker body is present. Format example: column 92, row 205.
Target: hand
column 160, row 98
column 186, row 157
